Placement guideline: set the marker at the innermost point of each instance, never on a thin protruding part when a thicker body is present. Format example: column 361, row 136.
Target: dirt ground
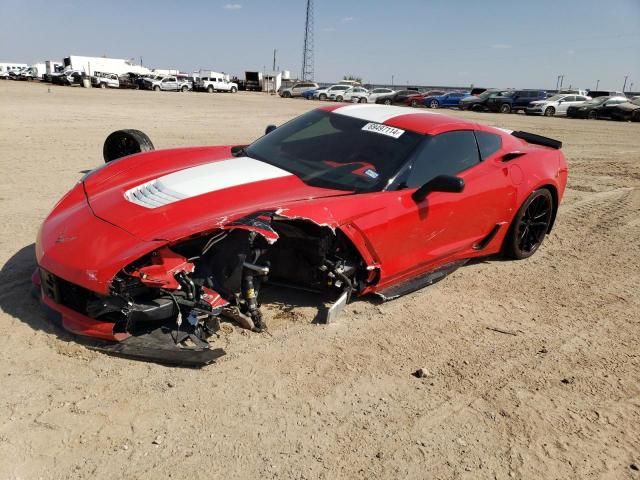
column 560, row 399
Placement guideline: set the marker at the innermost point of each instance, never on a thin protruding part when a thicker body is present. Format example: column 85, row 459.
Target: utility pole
column 625, row 83
column 561, row 80
column 597, row 84
column 274, row 59
column 392, row 81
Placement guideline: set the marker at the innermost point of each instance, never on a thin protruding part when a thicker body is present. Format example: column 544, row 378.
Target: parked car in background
column 105, row 80
column 416, row 99
column 624, row 111
column 334, row 92
column 377, row 92
column 297, row 89
column 479, row 101
column 556, row 105
column 166, row 83
column 356, row 95
column 451, row 99
column 591, row 108
column 69, row 78
column 515, row 100
column 605, row 93
column 308, row 94
column 129, row 81
column 318, row 92
column 214, row 82
column 396, row 98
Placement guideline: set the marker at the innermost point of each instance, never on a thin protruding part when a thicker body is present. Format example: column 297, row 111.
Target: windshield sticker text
column 383, row 129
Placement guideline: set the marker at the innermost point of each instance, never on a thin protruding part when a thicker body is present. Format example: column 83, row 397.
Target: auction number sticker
column 383, row 130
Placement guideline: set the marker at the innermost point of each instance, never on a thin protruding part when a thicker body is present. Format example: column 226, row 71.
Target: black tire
column 434, row 104
column 103, row 85
column 362, row 100
column 156, row 88
column 339, row 98
column 210, row 89
column 549, row 112
column 233, row 90
column 414, row 103
column 286, row 94
column 125, row 142
column 592, row 115
column 387, row 102
column 505, row 108
column 322, row 96
column 530, row 225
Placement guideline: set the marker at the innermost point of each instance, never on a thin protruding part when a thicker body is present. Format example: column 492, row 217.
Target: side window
column 446, row 154
column 488, row 143
column 570, row 98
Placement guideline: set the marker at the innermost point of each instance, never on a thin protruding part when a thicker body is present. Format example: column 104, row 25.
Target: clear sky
column 502, row 43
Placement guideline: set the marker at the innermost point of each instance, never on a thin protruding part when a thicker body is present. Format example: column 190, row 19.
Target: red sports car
column 418, row 99
column 152, row 249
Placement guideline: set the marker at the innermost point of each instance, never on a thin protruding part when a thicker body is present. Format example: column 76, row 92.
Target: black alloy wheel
column 530, row 225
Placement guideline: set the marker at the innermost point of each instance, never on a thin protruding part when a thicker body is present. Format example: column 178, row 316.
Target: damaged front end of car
column 166, row 306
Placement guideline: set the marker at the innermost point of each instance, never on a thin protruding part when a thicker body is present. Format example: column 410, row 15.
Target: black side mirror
column 269, row 129
column 441, row 183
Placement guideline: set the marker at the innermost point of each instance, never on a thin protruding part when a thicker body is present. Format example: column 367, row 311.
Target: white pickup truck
column 209, row 81
column 105, row 80
column 166, row 83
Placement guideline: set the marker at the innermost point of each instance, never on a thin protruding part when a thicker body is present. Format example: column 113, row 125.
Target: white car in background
column 334, row 92
column 556, row 105
column 297, row 89
column 355, row 95
column 378, row 92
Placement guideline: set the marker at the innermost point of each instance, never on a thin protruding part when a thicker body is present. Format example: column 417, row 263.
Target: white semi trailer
column 89, row 65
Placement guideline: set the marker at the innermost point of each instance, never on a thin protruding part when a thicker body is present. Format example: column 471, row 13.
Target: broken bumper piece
column 159, row 346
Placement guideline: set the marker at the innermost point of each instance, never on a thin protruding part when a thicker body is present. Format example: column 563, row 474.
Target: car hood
column 171, row 194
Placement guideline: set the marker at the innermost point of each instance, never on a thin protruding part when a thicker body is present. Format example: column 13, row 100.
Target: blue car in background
column 308, row 94
column 443, row 101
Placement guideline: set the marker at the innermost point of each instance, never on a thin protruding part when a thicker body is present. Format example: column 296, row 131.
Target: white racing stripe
column 377, row 113
column 202, row 179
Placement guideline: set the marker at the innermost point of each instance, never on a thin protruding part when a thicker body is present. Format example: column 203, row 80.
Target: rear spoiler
column 538, row 139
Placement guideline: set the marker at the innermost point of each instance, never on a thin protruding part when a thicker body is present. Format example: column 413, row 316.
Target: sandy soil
column 558, row 400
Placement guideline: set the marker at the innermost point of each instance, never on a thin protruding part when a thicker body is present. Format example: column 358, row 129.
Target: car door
column 167, row 84
column 424, row 234
column 565, row 103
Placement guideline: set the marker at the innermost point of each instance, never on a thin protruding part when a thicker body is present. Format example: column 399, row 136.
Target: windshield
column 636, row 101
column 486, row 94
column 336, row 151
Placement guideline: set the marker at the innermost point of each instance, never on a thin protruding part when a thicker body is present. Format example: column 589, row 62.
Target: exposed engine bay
column 179, row 293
